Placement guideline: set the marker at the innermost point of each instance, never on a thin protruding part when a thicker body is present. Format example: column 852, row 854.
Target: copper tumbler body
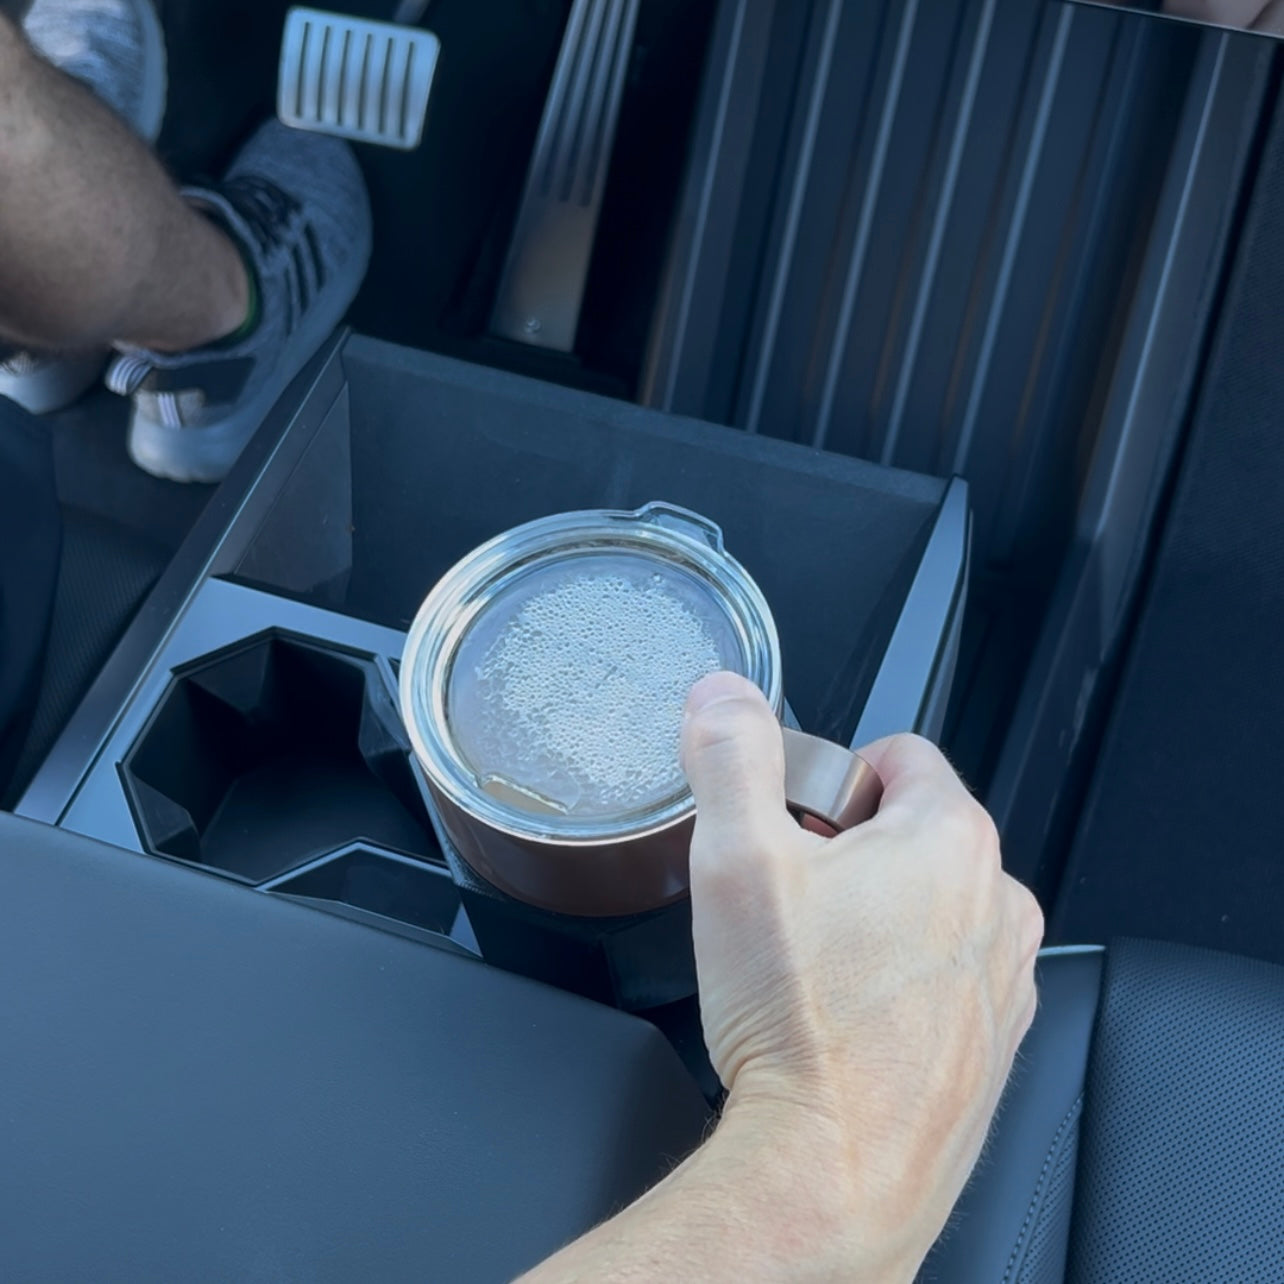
column 527, row 829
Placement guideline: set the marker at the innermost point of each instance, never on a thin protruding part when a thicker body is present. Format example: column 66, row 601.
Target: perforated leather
column 1181, row 1172
column 1147, row 1146
column 1013, row 1220
column 1040, row 1258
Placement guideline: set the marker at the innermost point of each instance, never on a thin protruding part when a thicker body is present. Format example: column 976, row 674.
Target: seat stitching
column 1054, row 1149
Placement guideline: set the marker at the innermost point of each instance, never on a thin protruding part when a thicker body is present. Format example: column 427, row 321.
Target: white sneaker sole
column 150, row 113
column 55, row 384
column 206, row 452
column 151, row 110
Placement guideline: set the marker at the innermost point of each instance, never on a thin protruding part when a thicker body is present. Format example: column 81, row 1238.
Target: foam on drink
column 567, row 693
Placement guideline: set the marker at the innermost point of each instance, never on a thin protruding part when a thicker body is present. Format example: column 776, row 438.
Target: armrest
column 204, row 1082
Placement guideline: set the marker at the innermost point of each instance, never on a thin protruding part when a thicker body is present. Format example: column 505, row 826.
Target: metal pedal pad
column 542, row 289
column 354, row 78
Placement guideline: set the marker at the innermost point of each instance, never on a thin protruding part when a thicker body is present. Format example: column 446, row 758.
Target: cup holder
column 270, row 754
column 378, row 883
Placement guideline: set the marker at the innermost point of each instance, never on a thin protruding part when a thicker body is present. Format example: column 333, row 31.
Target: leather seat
column 201, row 1082
column 1141, row 1137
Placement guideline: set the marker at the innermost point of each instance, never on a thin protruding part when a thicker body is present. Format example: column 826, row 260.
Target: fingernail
column 717, row 687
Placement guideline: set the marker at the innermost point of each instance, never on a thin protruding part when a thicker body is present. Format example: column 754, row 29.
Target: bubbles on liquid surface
column 571, row 688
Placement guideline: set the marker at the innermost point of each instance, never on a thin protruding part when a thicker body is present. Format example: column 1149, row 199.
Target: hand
column 1251, row 15
column 862, row 996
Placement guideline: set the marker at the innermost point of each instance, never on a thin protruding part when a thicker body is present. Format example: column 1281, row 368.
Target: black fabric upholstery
column 1182, row 1160
column 1147, row 1145
column 104, row 574
column 30, row 535
column 1180, row 839
column 201, row 1082
column 1013, row 1220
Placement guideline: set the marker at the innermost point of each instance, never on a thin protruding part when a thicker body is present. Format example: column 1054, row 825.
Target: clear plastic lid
column 566, row 693
column 545, row 677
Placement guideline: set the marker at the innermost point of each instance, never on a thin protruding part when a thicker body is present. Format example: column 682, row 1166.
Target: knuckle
column 918, row 753
column 715, row 866
column 731, row 870
column 718, row 725
column 906, row 758
column 972, row 831
column 1028, row 1013
column 707, row 730
column 985, row 833
column 1028, row 916
column 735, row 848
column 727, row 846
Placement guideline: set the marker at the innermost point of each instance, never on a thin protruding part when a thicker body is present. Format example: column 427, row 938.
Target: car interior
column 959, row 321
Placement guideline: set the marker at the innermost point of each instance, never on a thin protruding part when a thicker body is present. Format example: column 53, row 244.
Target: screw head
column 532, row 325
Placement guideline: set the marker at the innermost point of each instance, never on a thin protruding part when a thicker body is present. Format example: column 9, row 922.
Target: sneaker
column 114, row 47
column 296, row 205
column 117, row 49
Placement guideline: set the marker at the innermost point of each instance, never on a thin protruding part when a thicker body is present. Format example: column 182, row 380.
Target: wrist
column 791, row 1170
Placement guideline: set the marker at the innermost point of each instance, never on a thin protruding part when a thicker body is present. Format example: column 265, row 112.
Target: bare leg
column 96, row 245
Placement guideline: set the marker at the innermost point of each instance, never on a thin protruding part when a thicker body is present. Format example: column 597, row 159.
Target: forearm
column 763, row 1199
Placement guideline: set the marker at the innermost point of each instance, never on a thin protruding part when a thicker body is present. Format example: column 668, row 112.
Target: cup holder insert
column 269, row 754
column 384, row 883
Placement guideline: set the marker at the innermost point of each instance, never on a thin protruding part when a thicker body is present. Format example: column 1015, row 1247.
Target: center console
column 247, row 724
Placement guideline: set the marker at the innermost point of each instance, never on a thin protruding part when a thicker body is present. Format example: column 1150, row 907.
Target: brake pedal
column 548, row 260
column 355, row 78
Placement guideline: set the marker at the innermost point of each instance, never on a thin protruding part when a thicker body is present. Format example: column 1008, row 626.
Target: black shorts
column 30, row 546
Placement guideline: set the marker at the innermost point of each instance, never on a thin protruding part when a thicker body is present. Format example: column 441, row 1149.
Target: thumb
column 735, row 764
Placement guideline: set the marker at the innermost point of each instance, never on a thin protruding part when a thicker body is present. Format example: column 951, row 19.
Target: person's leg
column 96, row 244
column 212, row 297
